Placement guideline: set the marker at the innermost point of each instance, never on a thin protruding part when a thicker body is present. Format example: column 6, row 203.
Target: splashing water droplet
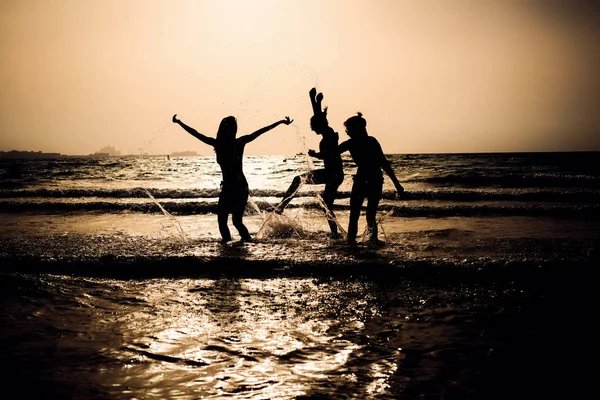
column 168, row 215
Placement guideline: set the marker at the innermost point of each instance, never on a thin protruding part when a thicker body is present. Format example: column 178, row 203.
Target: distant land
column 106, row 151
column 16, row 154
column 184, row 153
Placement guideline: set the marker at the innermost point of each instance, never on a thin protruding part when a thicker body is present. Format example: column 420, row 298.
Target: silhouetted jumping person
column 368, row 181
column 234, row 187
column 332, row 173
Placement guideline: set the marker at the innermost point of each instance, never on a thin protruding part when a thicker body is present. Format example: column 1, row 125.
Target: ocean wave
column 137, row 192
column 493, row 271
column 511, row 181
column 401, row 209
column 545, row 195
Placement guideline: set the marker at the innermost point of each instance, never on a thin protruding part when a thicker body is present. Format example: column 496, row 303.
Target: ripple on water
column 255, row 338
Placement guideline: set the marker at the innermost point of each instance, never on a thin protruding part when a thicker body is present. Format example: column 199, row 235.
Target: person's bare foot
column 374, row 242
column 247, row 239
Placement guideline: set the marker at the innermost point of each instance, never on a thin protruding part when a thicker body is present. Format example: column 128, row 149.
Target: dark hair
column 356, row 122
column 226, row 132
column 319, row 120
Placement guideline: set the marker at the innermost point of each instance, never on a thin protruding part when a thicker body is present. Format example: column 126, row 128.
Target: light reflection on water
column 245, row 338
column 248, row 338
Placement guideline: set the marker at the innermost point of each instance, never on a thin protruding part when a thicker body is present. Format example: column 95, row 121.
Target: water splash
column 279, row 226
column 302, row 140
column 330, row 216
column 380, row 219
column 159, row 133
column 169, row 216
column 285, row 75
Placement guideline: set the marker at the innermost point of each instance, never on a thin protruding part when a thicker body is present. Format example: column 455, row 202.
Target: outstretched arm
column 386, row 166
column 208, row 140
column 344, row 146
column 252, row 136
column 328, row 145
column 314, row 154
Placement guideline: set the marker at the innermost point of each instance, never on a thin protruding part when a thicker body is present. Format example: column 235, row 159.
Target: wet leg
column 372, row 204
column 237, row 219
column 374, row 196
column 289, row 194
column 329, row 195
column 356, row 199
column 222, row 216
column 223, row 209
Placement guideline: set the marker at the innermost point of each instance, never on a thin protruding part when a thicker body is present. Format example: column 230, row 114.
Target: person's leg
column 291, row 192
column 329, row 195
column 237, row 215
column 223, row 208
column 373, row 197
column 356, row 199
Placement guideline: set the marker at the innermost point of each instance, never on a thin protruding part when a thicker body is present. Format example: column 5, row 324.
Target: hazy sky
column 429, row 76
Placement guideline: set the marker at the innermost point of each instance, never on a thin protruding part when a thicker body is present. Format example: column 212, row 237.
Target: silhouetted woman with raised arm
column 368, row 181
column 234, row 187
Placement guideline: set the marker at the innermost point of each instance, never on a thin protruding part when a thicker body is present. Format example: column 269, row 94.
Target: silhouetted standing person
column 332, row 173
column 234, row 187
column 368, row 181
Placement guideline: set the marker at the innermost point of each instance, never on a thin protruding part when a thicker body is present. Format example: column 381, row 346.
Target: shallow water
column 121, row 307
column 266, row 338
column 114, row 285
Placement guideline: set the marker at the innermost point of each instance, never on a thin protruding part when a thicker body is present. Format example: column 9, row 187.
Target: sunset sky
column 429, row 76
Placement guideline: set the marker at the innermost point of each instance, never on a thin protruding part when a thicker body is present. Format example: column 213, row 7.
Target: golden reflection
column 274, row 338
column 381, row 373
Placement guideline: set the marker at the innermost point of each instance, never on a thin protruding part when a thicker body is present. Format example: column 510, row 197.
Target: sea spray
column 309, row 164
column 279, row 226
column 302, row 140
column 157, row 134
column 275, row 225
column 380, row 219
column 380, row 222
column 169, row 216
column 330, row 216
column 284, row 84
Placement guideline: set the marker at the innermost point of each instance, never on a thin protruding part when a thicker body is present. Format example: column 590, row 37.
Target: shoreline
column 154, row 246
column 537, row 264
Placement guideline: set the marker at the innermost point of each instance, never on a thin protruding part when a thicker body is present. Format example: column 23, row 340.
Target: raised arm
column 208, row 140
column 252, row 136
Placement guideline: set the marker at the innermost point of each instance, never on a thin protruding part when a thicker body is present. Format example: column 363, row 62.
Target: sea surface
column 114, row 283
